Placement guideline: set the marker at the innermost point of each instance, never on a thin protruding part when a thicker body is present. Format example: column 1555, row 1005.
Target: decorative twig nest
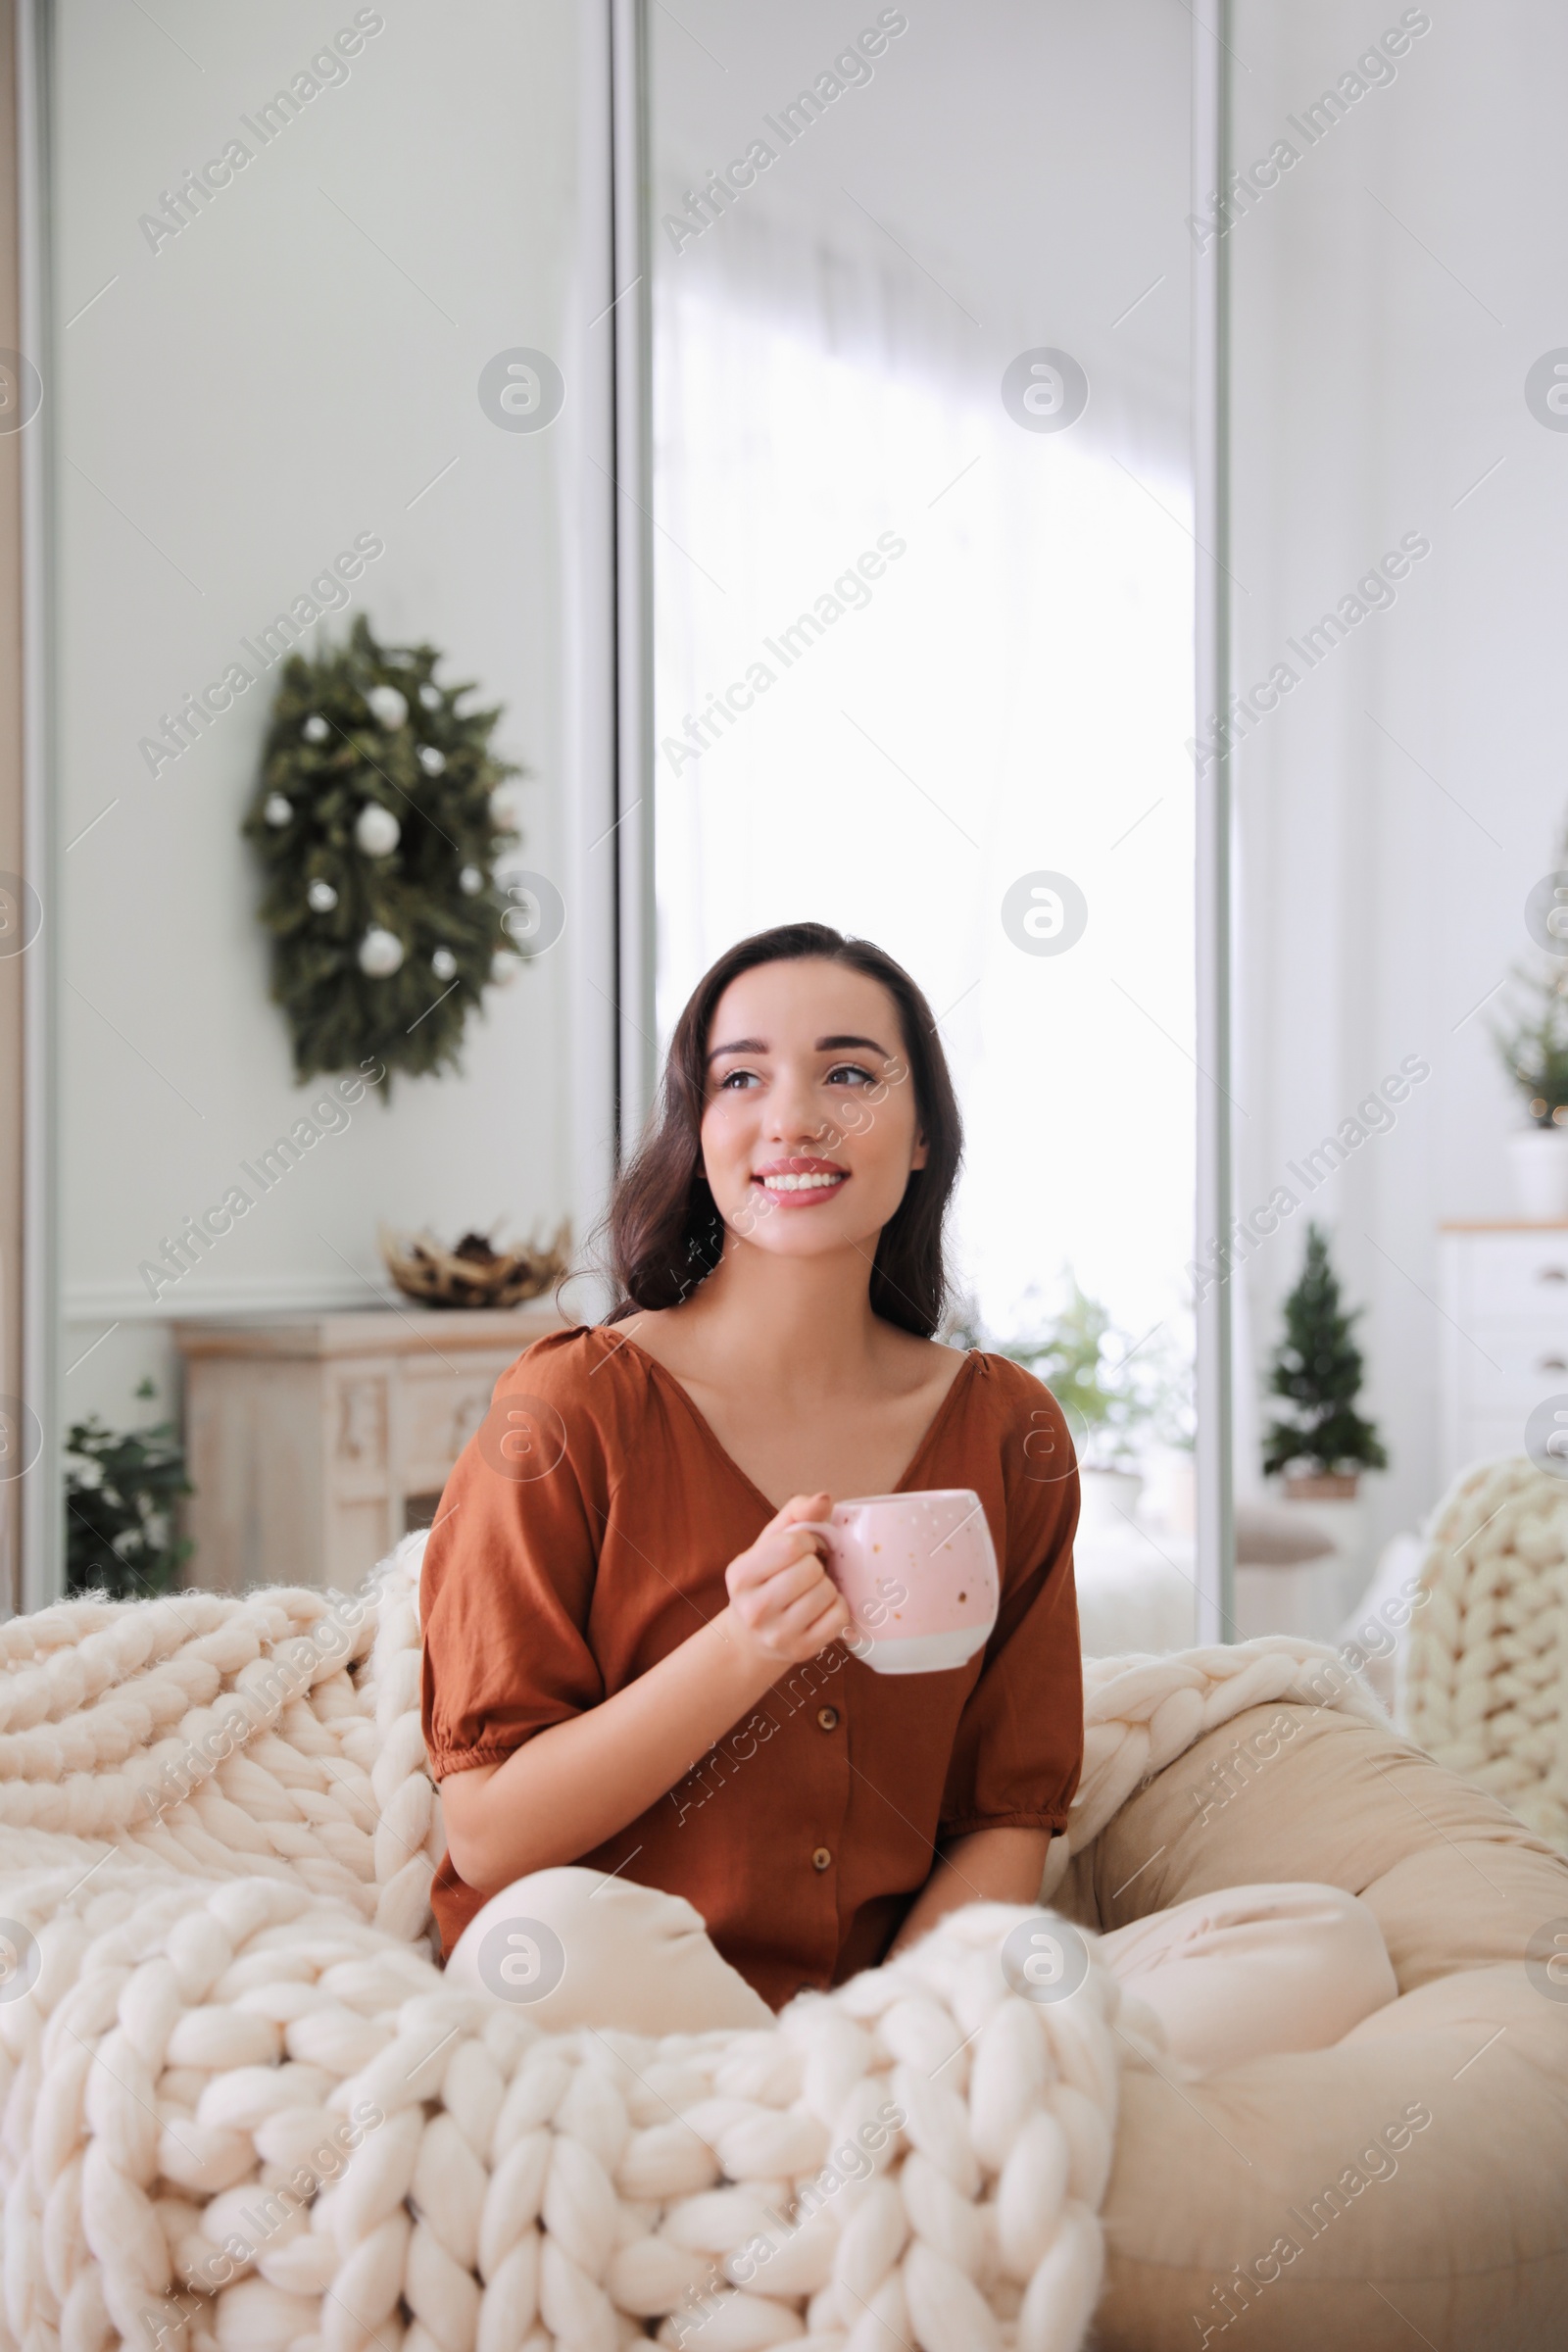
column 472, row 1273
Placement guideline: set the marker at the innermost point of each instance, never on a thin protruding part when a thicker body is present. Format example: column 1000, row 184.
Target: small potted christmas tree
column 1320, row 1443
column 1534, row 1053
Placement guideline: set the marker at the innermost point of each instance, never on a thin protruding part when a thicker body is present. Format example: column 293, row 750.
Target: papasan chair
column 240, row 2107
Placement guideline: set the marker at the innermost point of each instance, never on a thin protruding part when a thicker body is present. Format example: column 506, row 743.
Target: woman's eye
column 735, row 1079
column 849, row 1072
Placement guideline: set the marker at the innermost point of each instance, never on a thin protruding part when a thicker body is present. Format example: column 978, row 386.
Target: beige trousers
column 1229, row 1975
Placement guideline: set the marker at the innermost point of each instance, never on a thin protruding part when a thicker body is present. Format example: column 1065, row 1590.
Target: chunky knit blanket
column 241, row 2109
column 1487, row 1666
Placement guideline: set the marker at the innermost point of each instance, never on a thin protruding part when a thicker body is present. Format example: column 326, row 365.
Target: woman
column 636, row 1700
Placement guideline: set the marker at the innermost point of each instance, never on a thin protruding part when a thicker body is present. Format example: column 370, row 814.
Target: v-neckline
column 711, row 1438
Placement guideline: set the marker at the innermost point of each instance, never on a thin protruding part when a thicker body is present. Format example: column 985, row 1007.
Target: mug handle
column 858, row 1636
column 821, row 1527
column 817, row 1527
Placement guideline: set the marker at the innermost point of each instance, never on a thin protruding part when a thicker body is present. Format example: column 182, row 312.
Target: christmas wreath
column 378, row 820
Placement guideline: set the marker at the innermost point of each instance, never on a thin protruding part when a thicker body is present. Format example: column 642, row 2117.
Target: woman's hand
column 573, row 1784
column 783, row 1604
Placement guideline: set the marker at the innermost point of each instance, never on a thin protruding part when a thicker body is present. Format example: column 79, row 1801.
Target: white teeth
column 799, row 1183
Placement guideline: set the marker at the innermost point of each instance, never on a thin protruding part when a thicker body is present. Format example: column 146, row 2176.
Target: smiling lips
column 800, row 1182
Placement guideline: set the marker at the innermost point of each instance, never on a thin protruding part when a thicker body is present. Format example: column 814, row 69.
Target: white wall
column 1403, row 797
column 296, row 367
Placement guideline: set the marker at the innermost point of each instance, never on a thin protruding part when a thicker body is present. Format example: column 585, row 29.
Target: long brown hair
column 664, row 1229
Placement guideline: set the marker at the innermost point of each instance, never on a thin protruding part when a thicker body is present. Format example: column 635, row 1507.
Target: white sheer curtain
column 1013, row 696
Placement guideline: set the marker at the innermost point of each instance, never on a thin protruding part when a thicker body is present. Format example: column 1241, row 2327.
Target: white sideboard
column 1504, row 1342
column 314, row 1441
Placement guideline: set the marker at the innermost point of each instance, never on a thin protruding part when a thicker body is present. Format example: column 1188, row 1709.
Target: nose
column 795, row 1118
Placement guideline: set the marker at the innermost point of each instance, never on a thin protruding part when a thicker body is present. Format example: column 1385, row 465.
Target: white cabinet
column 1504, row 1335
column 314, row 1441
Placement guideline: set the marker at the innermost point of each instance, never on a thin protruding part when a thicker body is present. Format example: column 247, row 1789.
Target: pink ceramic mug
column 920, row 1573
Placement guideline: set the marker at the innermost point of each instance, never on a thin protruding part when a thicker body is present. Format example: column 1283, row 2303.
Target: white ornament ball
column 470, row 880
column 431, row 760
column 430, row 697
column 388, row 705
column 314, row 729
column 377, row 830
column 444, row 964
column 277, row 810
column 380, row 953
column 322, row 897
column 504, row 808
column 504, row 967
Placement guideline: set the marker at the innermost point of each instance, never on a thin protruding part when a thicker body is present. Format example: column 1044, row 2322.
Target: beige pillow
column 1356, row 2222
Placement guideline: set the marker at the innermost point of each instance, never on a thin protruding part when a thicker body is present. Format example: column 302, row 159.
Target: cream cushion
column 1466, row 2242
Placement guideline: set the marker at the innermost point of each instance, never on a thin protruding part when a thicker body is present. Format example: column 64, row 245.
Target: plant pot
column 1108, row 1500
column 1324, row 1486
column 1538, row 1158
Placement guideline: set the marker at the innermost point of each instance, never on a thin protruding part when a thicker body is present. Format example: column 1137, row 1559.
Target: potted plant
column 121, row 1494
column 1110, row 1401
column 1319, row 1443
column 1534, row 1054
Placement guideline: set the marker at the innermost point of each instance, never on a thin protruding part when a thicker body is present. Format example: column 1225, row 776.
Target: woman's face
column 810, row 1129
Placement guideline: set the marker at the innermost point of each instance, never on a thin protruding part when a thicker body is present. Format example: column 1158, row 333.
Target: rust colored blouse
column 584, row 1534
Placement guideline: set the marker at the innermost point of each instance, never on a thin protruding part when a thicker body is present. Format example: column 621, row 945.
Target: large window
column 923, row 569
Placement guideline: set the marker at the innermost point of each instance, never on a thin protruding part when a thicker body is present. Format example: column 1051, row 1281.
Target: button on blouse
column 543, row 1595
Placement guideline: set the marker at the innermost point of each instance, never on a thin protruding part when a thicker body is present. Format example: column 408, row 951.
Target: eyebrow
column 825, row 1044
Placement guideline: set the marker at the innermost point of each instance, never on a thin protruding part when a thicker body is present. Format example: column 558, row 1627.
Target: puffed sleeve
column 1020, row 1739
column 508, row 1578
